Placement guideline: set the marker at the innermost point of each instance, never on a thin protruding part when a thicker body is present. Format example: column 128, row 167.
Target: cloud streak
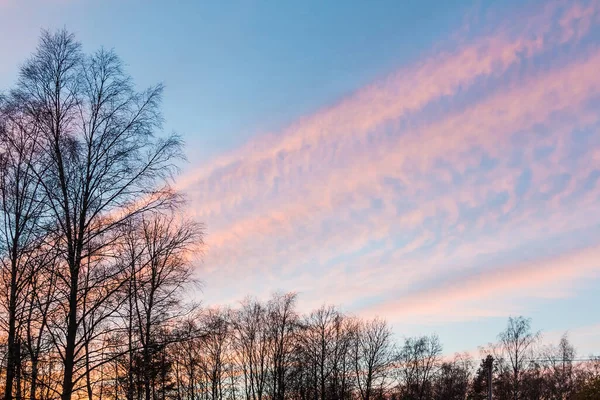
column 467, row 292
column 408, row 90
column 474, row 151
column 418, row 152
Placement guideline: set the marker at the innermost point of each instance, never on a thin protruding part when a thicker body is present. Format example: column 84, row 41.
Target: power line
column 591, row 358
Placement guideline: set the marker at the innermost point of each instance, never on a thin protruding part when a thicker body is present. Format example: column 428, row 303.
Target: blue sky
column 435, row 163
column 236, row 69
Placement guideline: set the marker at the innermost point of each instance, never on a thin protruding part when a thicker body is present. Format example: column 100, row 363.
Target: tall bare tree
column 101, row 163
column 215, row 343
column 372, row 356
column 161, row 269
column 39, row 302
column 560, row 368
column 418, row 361
column 251, row 341
column 282, row 320
column 517, row 342
column 320, row 340
column 21, row 209
column 453, row 378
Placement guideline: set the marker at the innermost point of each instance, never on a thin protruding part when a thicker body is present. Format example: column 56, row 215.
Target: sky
column 433, row 163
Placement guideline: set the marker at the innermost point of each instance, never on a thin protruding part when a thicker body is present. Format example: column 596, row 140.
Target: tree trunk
column 69, row 362
column 12, row 359
column 34, row 375
column 11, row 356
column 18, row 370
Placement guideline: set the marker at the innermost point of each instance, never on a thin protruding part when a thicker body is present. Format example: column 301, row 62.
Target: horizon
column 438, row 167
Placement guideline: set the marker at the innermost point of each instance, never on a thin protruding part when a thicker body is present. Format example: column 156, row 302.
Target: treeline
column 268, row 350
column 96, row 261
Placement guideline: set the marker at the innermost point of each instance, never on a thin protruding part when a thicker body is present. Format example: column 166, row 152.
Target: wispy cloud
column 408, row 90
column 476, row 292
column 491, row 140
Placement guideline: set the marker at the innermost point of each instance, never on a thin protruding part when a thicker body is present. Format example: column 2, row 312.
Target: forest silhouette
column 98, row 263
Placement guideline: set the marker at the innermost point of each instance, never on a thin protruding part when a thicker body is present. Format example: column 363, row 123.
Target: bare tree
column 251, row 342
column 22, row 211
column 101, row 163
column 453, row 378
column 39, row 300
column 418, row 360
column 588, row 383
column 215, row 343
column 372, row 356
column 161, row 269
column 318, row 343
column 188, row 357
column 282, row 321
column 560, row 370
column 517, row 343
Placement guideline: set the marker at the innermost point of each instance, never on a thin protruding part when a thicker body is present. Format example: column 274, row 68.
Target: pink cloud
column 498, row 116
column 306, row 196
column 478, row 293
column 406, row 91
column 227, row 188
